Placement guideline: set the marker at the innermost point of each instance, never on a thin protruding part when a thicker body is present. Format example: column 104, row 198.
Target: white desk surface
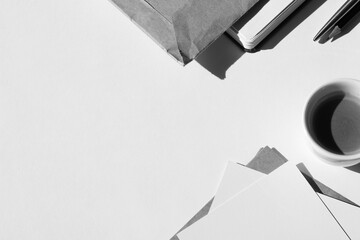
column 104, row 136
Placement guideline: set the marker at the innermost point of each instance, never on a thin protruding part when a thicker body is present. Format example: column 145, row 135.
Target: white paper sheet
column 346, row 214
column 280, row 206
column 342, row 180
column 236, row 178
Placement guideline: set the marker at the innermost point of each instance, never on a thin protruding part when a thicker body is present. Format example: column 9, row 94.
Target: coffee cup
column 332, row 122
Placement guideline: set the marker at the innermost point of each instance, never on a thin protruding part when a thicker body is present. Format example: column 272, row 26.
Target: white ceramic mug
column 347, row 89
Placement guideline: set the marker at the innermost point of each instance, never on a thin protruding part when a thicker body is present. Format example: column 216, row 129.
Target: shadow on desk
column 220, row 55
column 225, row 51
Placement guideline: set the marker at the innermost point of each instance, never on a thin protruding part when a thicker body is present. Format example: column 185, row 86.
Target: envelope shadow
column 202, row 213
column 220, row 55
column 286, row 27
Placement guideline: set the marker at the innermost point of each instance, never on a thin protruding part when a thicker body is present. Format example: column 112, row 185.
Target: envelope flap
column 184, row 28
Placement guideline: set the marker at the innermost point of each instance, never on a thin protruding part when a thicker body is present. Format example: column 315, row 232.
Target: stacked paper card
column 270, row 198
column 261, row 20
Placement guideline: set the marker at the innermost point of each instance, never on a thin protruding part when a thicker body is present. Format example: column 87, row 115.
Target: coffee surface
column 336, row 124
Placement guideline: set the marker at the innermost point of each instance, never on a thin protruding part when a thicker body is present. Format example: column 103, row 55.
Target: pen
column 345, row 20
column 349, row 4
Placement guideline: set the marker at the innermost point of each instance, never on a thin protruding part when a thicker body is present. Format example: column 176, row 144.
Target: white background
column 104, row 136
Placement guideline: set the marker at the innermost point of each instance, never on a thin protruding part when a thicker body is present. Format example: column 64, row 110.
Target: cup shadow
column 355, row 168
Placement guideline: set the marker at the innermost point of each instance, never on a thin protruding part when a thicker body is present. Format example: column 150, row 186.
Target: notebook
column 261, row 20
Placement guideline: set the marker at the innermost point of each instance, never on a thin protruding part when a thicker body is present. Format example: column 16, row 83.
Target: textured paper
column 184, row 28
column 267, row 160
column 275, row 209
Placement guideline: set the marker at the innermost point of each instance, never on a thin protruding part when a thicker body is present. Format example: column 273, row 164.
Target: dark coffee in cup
column 332, row 122
column 335, row 123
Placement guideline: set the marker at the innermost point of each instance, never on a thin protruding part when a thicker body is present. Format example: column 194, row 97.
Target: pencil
column 336, row 17
column 345, row 20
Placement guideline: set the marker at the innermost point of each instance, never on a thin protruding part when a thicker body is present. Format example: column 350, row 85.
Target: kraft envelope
column 184, row 28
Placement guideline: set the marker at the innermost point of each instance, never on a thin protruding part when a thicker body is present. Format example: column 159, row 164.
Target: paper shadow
column 319, row 187
column 202, row 213
column 220, row 55
column 348, row 27
column 286, row 27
